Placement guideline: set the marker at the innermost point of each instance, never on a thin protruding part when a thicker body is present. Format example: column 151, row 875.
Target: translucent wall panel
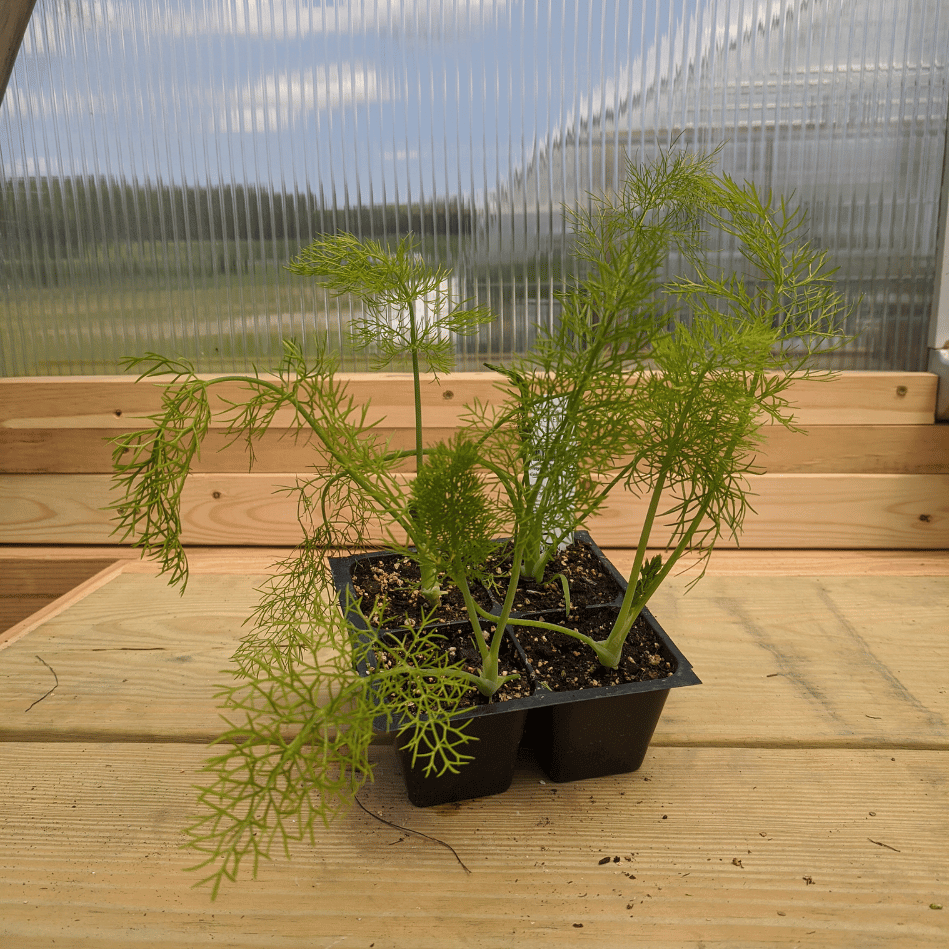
column 161, row 161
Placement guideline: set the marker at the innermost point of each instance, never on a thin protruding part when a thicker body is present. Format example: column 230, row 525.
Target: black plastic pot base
column 490, row 772
column 596, row 738
column 596, row 732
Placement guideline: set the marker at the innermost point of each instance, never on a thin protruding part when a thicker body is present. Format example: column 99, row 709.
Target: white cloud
column 35, row 102
column 277, row 19
column 279, row 101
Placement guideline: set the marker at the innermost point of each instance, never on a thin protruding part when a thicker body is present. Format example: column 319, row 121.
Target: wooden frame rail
column 872, row 472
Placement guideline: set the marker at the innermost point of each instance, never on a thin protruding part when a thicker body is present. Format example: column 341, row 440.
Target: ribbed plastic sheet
column 161, row 161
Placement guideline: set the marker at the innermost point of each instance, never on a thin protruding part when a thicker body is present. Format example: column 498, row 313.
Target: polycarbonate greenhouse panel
column 162, row 161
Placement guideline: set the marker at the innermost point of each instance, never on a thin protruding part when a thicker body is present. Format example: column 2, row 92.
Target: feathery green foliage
column 394, row 287
column 663, row 387
column 656, row 386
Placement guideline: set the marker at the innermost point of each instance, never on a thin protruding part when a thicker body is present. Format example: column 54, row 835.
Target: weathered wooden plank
column 118, row 402
column 131, row 657
column 714, row 847
column 791, row 511
column 829, row 510
column 109, row 402
column 866, row 449
column 89, row 451
column 48, row 608
column 13, row 609
column 857, row 449
column 792, row 661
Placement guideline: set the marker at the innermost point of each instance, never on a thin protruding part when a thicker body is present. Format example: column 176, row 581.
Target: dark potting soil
column 461, row 649
column 589, row 581
column 565, row 664
column 395, row 581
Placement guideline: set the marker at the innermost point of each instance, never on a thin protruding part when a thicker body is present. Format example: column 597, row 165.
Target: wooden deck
column 799, row 797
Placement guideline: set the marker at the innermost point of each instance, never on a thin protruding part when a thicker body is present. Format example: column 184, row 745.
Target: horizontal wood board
column 787, row 661
column 29, row 584
column 872, row 473
column 63, row 425
column 112, row 402
column 710, row 847
column 798, row 797
column 837, row 449
column 724, row 562
column 790, row 511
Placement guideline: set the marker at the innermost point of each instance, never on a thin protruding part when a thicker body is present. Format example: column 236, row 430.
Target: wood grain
column 867, row 449
column 89, row 451
column 872, row 473
column 824, row 511
column 852, row 398
column 798, row 797
column 29, row 585
column 42, row 577
column 785, row 661
column 791, row 511
column 134, row 657
column 13, row 609
column 717, row 847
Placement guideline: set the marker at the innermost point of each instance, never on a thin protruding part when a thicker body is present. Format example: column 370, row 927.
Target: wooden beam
column 119, row 403
column 813, row 719
column 841, row 449
column 725, row 562
column 14, row 18
column 730, row 847
column 740, row 633
column 30, row 584
column 792, row 511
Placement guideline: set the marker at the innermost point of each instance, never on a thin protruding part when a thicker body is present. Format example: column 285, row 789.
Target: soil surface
column 589, row 581
column 565, row 664
column 559, row 661
column 394, row 580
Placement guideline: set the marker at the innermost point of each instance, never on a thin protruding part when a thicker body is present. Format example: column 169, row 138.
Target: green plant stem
column 417, row 383
column 489, row 657
column 626, row 616
column 635, row 597
column 428, row 672
column 610, row 651
column 430, row 586
column 490, row 653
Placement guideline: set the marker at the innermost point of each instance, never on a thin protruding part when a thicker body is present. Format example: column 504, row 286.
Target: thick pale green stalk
column 429, row 575
column 490, row 681
column 627, row 617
